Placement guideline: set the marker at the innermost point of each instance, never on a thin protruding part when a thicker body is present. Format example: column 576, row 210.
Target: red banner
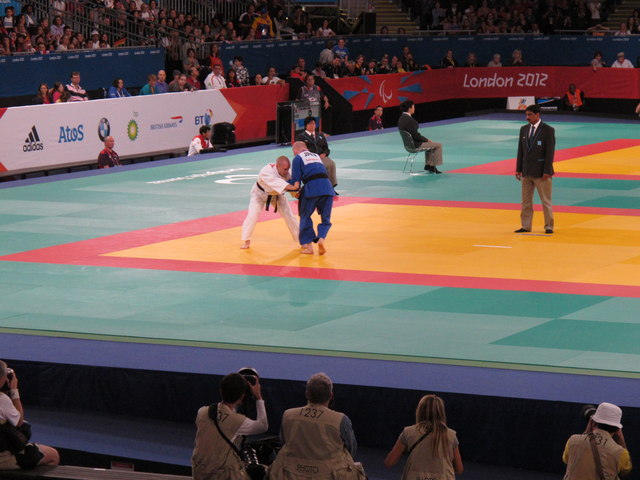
column 254, row 106
column 432, row 85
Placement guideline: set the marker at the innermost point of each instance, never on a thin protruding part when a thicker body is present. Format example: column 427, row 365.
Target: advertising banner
column 46, row 136
column 432, row 85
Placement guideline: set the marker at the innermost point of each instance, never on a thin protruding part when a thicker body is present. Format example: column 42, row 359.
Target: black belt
column 315, row 177
column 269, row 197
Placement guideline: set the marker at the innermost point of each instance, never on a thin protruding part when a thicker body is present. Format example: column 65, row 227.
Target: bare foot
column 321, row 249
column 307, row 249
column 245, row 244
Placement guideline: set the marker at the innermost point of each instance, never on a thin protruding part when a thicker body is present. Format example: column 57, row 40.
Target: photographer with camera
column 319, row 442
column 600, row 453
column 14, row 432
column 220, row 429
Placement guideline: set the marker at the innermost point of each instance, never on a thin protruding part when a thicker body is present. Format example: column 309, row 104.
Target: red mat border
column 90, row 253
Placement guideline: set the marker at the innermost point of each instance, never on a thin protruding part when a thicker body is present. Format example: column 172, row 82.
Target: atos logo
column 204, row 119
column 71, row 134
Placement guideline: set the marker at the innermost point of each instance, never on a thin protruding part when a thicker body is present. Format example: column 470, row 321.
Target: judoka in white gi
column 268, row 192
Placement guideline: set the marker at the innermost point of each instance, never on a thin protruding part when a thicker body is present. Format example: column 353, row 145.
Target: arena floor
column 420, row 270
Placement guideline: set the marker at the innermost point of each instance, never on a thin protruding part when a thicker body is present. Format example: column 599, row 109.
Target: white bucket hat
column 609, row 414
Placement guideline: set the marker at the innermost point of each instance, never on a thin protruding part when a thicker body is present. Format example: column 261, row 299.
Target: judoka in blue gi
column 316, row 194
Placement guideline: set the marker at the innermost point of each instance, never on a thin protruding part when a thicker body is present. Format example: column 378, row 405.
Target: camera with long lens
column 588, row 411
column 6, row 386
column 248, row 406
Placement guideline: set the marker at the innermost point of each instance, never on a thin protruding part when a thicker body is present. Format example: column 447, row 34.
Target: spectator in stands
column 341, row 51
column 215, row 80
column 242, row 74
column 299, row 19
column 272, row 78
column 262, row 25
column 245, row 20
column 384, row 30
column 200, row 141
column 180, row 84
column 597, row 61
column 57, row 27
column 117, row 89
column 371, row 68
column 432, row 150
column 313, row 93
column 9, row 19
column 349, row 70
column 360, row 65
column 516, row 58
column 409, row 63
column 432, row 447
column 401, row 31
column 219, row 424
column 603, row 437
column 108, row 158
column 150, row 87
column 326, row 55
column 316, row 142
column 214, row 57
column 621, row 62
column 42, row 97
column 161, row 83
column 574, row 98
column 375, row 122
column 472, row 60
column 395, row 65
column 193, row 79
column 383, row 66
column 12, row 412
column 232, row 79
column 495, row 61
column 437, row 14
column 281, row 24
column 76, row 92
column 319, row 71
column 321, row 436
column 295, row 73
column 190, row 61
column 448, row 61
column 325, row 30
column 56, row 92
column 638, row 109
column 302, row 63
column 257, row 80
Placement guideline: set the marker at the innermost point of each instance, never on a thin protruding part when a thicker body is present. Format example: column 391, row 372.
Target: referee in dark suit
column 534, row 168
column 433, row 150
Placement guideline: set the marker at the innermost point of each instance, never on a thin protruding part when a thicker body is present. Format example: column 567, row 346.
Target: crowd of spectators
column 517, row 16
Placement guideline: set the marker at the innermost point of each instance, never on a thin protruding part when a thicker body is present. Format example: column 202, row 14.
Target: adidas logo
column 32, row 143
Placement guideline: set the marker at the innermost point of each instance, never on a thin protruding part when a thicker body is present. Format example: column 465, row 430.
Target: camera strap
column 596, row 457
column 213, row 415
column 419, row 440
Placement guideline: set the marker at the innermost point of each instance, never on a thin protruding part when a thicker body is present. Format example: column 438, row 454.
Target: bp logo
column 132, row 130
column 104, row 129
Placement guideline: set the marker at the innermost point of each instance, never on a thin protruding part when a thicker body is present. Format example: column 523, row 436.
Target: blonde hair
column 430, row 417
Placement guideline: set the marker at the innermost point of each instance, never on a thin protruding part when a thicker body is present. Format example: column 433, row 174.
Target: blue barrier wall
column 537, row 50
column 22, row 74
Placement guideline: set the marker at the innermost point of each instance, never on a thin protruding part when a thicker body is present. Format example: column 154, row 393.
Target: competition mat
column 421, row 271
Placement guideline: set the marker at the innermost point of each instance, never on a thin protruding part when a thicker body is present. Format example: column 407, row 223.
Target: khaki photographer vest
column 313, row 447
column 213, row 458
column 423, row 463
column 580, row 462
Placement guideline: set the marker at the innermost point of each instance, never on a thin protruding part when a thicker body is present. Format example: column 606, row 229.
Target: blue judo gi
column 317, row 194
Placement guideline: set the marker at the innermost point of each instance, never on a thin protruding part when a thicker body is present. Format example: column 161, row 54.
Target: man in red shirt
column 108, row 157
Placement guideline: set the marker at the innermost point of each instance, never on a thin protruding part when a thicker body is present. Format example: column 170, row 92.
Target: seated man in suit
column 317, row 143
column 433, row 150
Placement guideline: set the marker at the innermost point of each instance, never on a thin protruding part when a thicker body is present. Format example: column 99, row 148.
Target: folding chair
column 412, row 150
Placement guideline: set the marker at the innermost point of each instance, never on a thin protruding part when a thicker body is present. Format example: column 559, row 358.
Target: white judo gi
column 275, row 185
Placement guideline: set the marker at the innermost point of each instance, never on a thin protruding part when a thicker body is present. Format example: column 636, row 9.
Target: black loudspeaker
column 223, row 133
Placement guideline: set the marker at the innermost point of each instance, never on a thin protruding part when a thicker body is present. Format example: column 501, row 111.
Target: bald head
column 282, row 165
column 109, row 142
column 299, row 147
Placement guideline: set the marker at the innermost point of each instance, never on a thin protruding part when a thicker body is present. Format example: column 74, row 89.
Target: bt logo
column 204, row 119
